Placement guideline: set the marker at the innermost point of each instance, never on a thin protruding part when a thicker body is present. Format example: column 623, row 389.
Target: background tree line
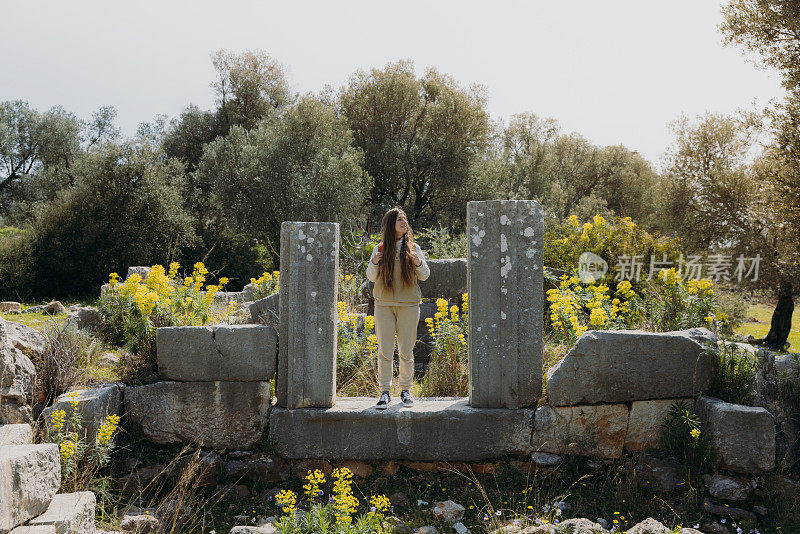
column 78, row 201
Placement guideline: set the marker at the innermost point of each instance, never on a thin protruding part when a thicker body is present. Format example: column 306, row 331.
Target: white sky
column 615, row 71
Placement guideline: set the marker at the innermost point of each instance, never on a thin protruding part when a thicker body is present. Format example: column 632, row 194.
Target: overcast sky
column 616, row 71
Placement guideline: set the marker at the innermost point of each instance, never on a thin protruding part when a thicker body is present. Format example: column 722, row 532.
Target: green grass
column 34, row 320
column 758, row 320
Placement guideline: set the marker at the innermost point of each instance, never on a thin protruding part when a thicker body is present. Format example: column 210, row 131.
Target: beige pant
column 400, row 320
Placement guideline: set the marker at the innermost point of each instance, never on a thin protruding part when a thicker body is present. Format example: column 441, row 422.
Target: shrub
column 81, row 462
column 125, row 209
column 266, row 284
column 66, row 350
column 134, row 309
column 734, row 373
column 576, row 308
column 438, row 242
column 448, row 370
column 564, row 244
column 333, row 515
column 356, row 364
column 682, row 434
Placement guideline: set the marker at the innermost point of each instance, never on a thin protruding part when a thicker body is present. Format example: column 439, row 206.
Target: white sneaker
column 384, row 401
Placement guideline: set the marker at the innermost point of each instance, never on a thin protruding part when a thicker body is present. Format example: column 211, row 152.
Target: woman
column 395, row 266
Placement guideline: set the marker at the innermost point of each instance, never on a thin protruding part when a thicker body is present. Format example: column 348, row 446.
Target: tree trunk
column 781, row 323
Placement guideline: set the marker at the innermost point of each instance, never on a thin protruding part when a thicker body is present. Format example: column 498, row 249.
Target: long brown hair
column 386, row 264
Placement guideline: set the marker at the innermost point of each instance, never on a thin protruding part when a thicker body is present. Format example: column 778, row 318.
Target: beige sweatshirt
column 399, row 294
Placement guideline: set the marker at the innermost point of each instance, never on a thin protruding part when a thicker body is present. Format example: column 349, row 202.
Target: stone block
column 94, row 404
column 308, row 315
column 266, row 310
column 594, row 430
column 226, row 353
column 628, row 365
column 10, row 306
column 432, row 429
column 17, row 378
column 30, row 476
column 217, row 415
column 644, row 423
column 143, row 272
column 69, row 513
column 39, row 529
column 24, row 337
column 505, row 261
column 744, row 436
column 18, row 434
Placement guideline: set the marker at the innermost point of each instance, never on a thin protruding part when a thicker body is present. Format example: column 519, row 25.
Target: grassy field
column 757, row 324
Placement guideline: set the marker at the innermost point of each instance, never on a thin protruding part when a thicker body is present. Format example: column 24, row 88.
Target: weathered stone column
column 307, row 335
column 504, row 274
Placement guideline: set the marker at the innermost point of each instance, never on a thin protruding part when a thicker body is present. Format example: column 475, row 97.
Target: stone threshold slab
column 435, row 428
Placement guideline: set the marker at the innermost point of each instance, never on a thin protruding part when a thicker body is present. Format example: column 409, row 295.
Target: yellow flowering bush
column 576, row 307
column 675, row 304
column 336, row 514
column 448, row 370
column 266, row 284
column 356, row 358
column 609, row 239
column 135, row 308
column 80, row 461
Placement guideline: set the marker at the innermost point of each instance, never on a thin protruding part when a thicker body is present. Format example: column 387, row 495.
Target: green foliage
column 136, row 308
column 447, row 374
column 67, row 351
column 734, row 373
column 356, row 357
column 609, row 239
column 438, row 242
column 298, row 164
column 570, row 176
column 126, row 210
column 682, row 434
column 420, row 138
column 80, row 461
column 789, row 389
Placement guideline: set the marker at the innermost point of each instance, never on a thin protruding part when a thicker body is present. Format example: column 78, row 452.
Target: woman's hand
column 414, row 257
column 378, row 257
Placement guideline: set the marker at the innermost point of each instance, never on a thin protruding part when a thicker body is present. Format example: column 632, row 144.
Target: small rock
column 603, row 522
column 54, row 308
column 787, row 487
column 760, row 510
column 397, row 526
column 132, row 463
column 10, row 306
column 301, row 469
column 267, row 467
column 86, row 318
column 229, row 492
column 244, row 529
column 727, row 511
column 660, row 475
column 140, row 524
column 714, row 528
column 233, row 470
column 268, row 495
column 398, row 499
column 545, row 459
column 389, row 468
column 447, row 511
column 238, row 455
column 108, row 360
column 728, row 488
column 508, row 529
column 649, row 526
column 461, row 529
column 359, row 469
column 175, row 512
column 426, row 530
column 580, row 526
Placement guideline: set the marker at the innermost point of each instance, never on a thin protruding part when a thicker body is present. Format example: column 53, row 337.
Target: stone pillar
column 307, row 334
column 504, row 276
